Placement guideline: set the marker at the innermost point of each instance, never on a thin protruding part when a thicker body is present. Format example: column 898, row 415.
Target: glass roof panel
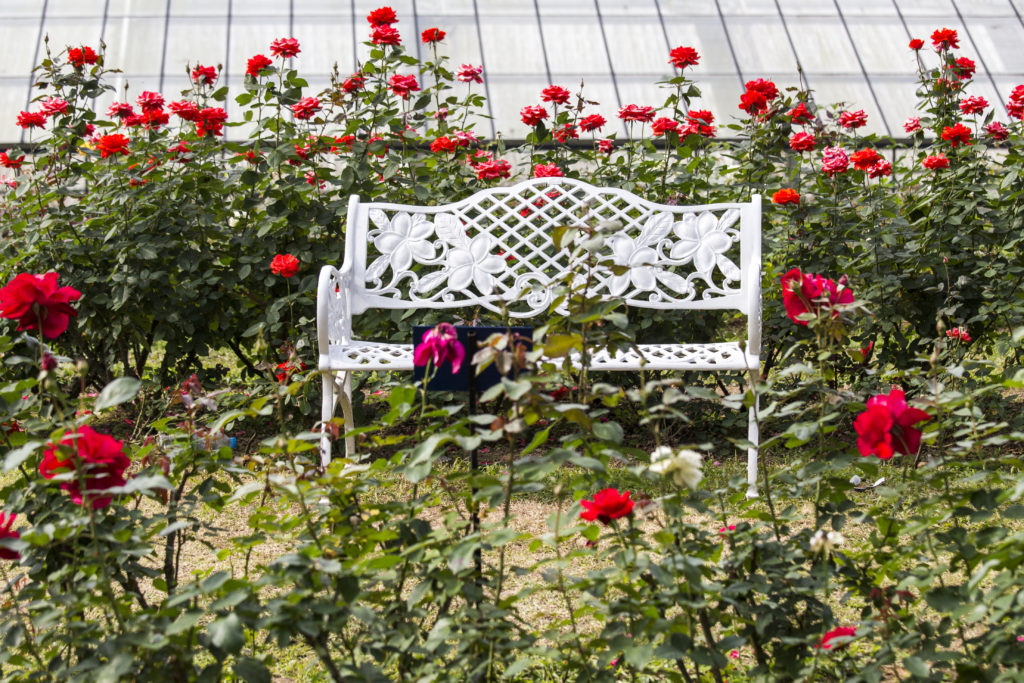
column 881, row 44
column 575, row 44
column 823, row 46
column 18, row 38
column 624, row 34
column 981, row 8
column 855, row 94
column 196, row 8
column 761, row 45
column 141, row 8
column 13, row 93
column 999, row 44
column 192, row 41
column 527, row 57
column 332, row 31
column 130, row 46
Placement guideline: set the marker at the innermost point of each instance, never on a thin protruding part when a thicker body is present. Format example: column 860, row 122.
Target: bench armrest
column 333, row 310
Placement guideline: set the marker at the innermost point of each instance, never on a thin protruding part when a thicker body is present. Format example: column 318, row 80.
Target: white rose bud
column 822, row 542
column 684, row 465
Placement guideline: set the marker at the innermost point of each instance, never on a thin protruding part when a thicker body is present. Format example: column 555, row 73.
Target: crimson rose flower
column 31, row 119
column 912, row 124
column 256, row 64
column 996, row 131
column 802, row 142
column 36, row 299
column 956, row 135
column 853, row 119
column 554, row 93
column 97, row 460
column 6, row 532
column 403, row 85
column 533, row 115
column 204, row 75
column 703, row 118
column 286, row 369
column 382, row 16
column 112, row 144
column 841, row 632
column 786, row 196
column 79, row 56
column 865, row 159
column 547, row 171
column 566, row 132
column 944, row 39
column 150, row 101
column 306, row 108
column 682, row 57
column 120, row 110
column 443, row 144
column 800, row 114
column 211, row 120
column 916, row 44
column 834, row 160
column 433, row 35
column 592, row 122
column 440, row 345
column 765, row 87
column 385, row 35
column 753, row 102
column 284, row 265
column 807, row 293
column 608, row 504
column 964, row 68
column 470, row 74
column 285, row 47
column 8, row 161
column 662, row 125
column 887, row 426
column 936, row 162
column 186, row 110
column 633, row 112
column 353, row 83
column 605, row 146
column 880, row 168
column 973, row 105
column 492, row 170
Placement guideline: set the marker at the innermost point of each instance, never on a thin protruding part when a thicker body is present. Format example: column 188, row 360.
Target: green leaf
column 227, row 634
column 558, row 345
column 608, row 431
column 183, row 623
column 252, row 670
column 121, row 390
column 20, row 455
column 917, row 666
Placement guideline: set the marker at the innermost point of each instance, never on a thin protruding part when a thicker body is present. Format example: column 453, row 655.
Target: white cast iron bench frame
column 495, row 247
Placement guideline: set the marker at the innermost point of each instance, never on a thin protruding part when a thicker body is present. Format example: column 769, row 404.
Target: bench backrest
column 495, row 246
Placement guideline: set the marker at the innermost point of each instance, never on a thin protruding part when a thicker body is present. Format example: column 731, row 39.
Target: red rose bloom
column 834, row 160
column 865, row 159
column 957, row 135
column 284, row 265
column 80, row 56
column 100, row 457
column 53, row 106
column 995, row 130
column 916, row 44
column 964, row 68
column 112, row 144
column 786, row 196
column 592, row 122
column 608, row 504
column 150, row 101
column 31, row 119
column 682, row 57
column 468, row 73
column 120, row 110
column 533, row 115
column 403, row 85
column 433, row 35
column 880, row 168
column 354, row 83
column 204, row 75
column 443, row 144
column 633, row 112
column 554, row 93
column 286, row 369
column 285, row 47
column 703, row 120
column 382, row 16
column 8, row 161
column 853, row 119
column 944, row 39
column 662, row 125
column 605, row 146
column 753, row 102
column 256, row 64
column 385, row 35
column 800, row 114
column 802, row 142
column 492, row 170
column 765, row 87
column 178, row 152
column 440, row 346
column 936, row 162
column 186, row 110
column 973, row 105
column 7, row 533
column 887, row 426
column 806, row 293
column 211, row 120
column 565, row 133
column 1015, row 110
column 841, row 632
column 547, row 171
column 912, row 124
column 306, row 108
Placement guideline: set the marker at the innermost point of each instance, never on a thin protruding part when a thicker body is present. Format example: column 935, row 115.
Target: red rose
column 662, row 125
column 964, row 68
column 433, row 35
column 834, row 160
column 633, row 112
column 592, row 122
column 786, row 196
column 443, row 144
column 608, row 504
column 944, row 39
column 287, row 369
column 100, row 458
column 150, row 101
column 306, row 108
column 31, row 119
column 800, row 114
column 995, row 130
column 8, row 161
column 765, row 87
column 185, row 110
column 35, row 299
column 547, row 171
column 533, row 115
column 256, row 64
column 703, row 118
column 605, row 146
column 285, row 47
column 973, row 105
column 353, row 83
column 806, row 293
column 916, row 44
column 7, row 533
column 468, row 73
column 492, row 170
column 1015, row 109
column 841, row 632
column 753, row 102
column 439, row 346
column 682, row 57
column 79, row 56
column 802, row 142
column 1017, row 94
column 382, row 16
column 112, row 144
column 887, row 426
column 853, row 119
column 284, row 265
column 403, row 85
column 957, row 135
column 211, row 120
column 554, row 93
column 912, row 124
column 204, row 75
column 53, row 106
column 385, row 35
column 880, row 168
column 120, row 110
column 936, row 162
column 154, row 119
column 865, row 159
column 178, row 152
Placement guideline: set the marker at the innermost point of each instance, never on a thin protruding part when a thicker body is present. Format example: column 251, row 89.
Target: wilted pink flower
column 440, row 345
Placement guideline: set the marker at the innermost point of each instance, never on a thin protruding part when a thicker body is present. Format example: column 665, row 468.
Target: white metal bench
column 495, row 248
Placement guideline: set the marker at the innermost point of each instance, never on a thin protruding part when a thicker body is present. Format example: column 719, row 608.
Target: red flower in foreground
column 433, row 35
column 912, row 124
column 834, row 160
column 53, row 105
column 443, row 144
column 31, row 119
column 956, row 135
column 841, row 632
column 285, row 47
column 554, row 93
column 945, row 38
column 492, row 170
column 257, row 63
column 608, row 504
column 382, row 16
column 403, row 85
column 440, row 345
column 79, row 56
column 284, row 265
column 996, row 131
column 9, row 161
column 765, row 87
column 547, row 171
column 112, row 144
column 880, row 168
column 533, row 114
column 634, row 112
column 354, row 83
column 802, row 142
column 887, row 424
column 100, row 457
column 186, row 110
column 936, row 162
column 468, row 73
column 592, row 122
column 973, row 105
column 286, row 369
column 806, row 294
column 682, row 57
column 211, row 120
column 306, row 108
column 204, row 75
column 800, row 114
column 6, row 532
column 36, row 299
column 753, row 102
column 663, row 125
column 853, row 119
column 964, row 68
column 150, row 101
column 605, row 146
column 385, row 35
column 916, row 44
column 865, row 159
column 786, row 196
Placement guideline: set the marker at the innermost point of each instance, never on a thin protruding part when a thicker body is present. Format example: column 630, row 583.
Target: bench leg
column 327, row 403
column 345, row 396
column 753, row 437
